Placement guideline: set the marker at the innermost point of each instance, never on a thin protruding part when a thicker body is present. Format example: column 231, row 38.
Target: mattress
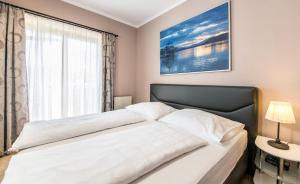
column 210, row 164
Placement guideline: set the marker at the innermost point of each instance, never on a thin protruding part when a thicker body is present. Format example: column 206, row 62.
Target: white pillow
column 206, row 124
column 152, row 110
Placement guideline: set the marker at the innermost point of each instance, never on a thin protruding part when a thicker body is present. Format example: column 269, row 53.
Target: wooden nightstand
column 292, row 155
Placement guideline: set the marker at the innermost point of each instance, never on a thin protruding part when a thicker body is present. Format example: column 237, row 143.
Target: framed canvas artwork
column 199, row 44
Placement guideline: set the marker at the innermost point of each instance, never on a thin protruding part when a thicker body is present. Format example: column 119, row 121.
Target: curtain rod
column 58, row 19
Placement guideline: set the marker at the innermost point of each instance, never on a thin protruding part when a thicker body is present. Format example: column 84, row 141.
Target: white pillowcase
column 152, row 110
column 201, row 123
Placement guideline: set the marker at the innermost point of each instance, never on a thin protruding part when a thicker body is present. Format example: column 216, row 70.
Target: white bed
column 209, row 164
column 148, row 143
column 186, row 146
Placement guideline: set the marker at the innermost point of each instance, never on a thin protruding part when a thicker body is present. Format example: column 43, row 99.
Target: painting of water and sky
column 200, row 44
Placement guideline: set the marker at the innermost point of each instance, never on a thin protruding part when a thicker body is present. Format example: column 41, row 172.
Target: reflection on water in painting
column 202, row 58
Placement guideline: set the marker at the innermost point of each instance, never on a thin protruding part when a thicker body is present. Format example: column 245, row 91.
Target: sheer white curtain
column 64, row 66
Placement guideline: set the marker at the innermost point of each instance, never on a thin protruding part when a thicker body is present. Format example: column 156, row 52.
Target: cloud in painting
column 171, row 36
column 204, row 28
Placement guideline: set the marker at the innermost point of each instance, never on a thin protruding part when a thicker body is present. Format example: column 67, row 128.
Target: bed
column 229, row 162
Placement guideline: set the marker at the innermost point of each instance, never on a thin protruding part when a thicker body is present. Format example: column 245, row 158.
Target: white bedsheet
column 116, row 158
column 211, row 164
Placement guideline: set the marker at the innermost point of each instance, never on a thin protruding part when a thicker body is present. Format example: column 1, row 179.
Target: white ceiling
column 132, row 12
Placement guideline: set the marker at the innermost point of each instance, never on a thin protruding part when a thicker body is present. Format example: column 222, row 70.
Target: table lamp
column 280, row 112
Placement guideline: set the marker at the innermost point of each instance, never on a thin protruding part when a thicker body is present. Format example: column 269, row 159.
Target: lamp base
column 278, row 144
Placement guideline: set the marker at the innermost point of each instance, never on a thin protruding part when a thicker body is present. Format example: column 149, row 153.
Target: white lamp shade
column 281, row 112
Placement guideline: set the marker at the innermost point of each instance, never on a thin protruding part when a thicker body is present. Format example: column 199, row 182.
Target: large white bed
column 144, row 144
column 209, row 164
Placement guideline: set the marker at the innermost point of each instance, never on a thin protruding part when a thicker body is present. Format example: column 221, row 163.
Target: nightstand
column 279, row 173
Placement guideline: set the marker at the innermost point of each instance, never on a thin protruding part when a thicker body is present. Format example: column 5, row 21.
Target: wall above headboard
column 265, row 54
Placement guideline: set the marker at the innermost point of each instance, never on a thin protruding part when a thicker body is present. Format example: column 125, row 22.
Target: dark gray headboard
column 237, row 103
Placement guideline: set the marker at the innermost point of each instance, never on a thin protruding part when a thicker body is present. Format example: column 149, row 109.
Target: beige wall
column 125, row 74
column 265, row 54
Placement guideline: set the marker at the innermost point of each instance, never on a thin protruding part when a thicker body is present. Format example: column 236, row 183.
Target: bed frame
column 238, row 103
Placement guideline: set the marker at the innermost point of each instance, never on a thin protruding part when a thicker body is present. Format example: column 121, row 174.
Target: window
column 64, row 69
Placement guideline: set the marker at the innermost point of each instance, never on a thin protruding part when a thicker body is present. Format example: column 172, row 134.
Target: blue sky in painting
column 197, row 29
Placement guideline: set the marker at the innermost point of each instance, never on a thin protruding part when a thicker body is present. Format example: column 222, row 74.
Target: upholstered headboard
column 237, row 103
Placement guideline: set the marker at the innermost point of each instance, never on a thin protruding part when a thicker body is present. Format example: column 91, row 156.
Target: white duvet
column 114, row 158
column 43, row 132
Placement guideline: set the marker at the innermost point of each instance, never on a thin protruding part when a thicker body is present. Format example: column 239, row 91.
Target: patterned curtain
column 13, row 87
column 109, row 60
